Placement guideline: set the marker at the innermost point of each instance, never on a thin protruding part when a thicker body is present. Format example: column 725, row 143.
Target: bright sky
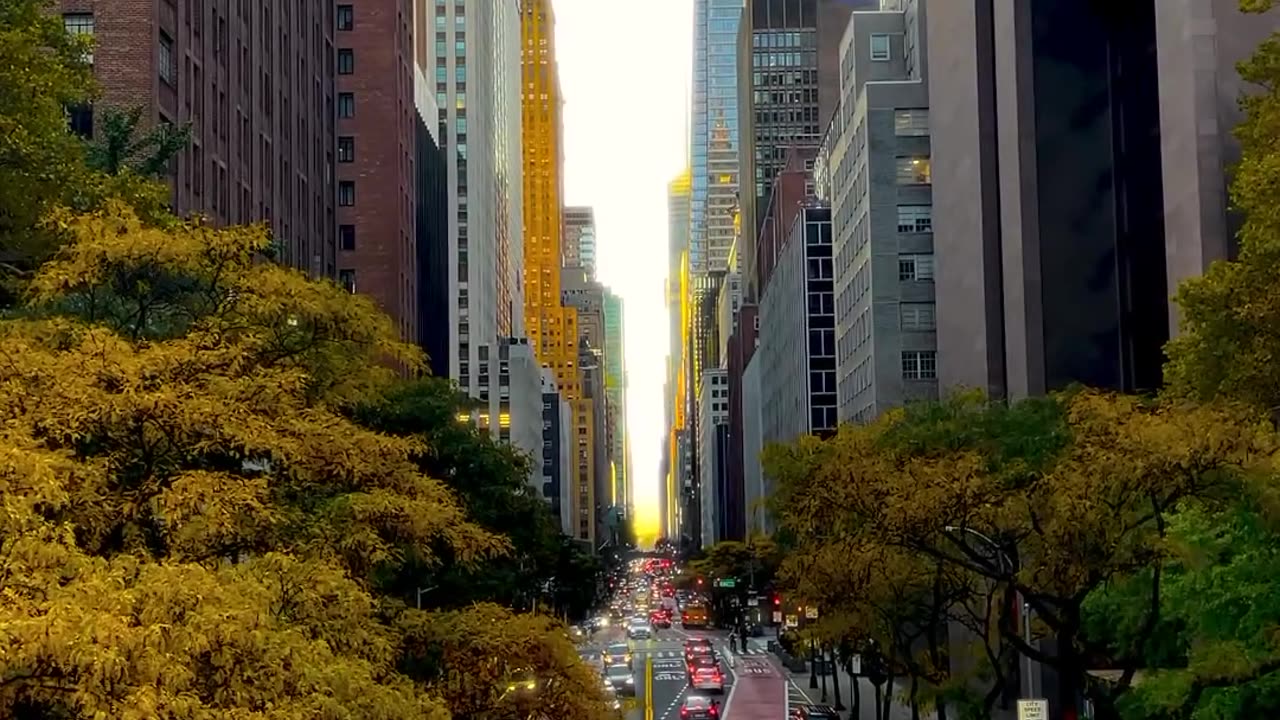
column 625, row 71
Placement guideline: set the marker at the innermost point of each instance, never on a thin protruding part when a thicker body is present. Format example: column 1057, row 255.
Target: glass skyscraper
column 714, row 134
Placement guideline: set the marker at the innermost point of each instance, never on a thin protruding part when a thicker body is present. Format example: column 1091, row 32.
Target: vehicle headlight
column 631, row 681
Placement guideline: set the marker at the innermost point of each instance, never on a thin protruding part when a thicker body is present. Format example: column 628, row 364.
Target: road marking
column 732, row 689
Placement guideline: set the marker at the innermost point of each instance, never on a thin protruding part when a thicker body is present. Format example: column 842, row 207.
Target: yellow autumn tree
column 1048, row 498
column 191, row 523
column 486, row 661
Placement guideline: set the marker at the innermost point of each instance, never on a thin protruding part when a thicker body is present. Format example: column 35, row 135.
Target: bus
column 694, row 616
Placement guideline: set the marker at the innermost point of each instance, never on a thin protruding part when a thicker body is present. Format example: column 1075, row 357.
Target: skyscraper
column 1038, row 284
column 263, row 123
column 477, row 91
column 616, row 387
column 552, row 328
column 376, row 170
column 788, row 86
column 580, row 239
column 677, row 296
column 714, row 133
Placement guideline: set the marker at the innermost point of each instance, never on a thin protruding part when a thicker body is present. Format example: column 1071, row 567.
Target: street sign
column 855, row 665
column 726, row 582
column 777, row 616
column 793, row 621
column 753, row 602
column 811, row 613
column 1033, row 709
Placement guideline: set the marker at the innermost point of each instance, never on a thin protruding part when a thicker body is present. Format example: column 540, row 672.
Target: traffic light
column 777, row 600
column 699, row 582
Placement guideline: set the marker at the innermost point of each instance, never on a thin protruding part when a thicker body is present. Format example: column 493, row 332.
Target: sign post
column 1037, row 709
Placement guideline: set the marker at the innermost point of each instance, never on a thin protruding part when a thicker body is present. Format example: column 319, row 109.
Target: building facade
column 263, row 118
column 615, row 376
column 1040, row 285
column 679, row 208
column 798, row 388
column 551, row 327
column 557, row 444
column 580, row 239
column 713, row 455
column 877, row 175
column 788, row 85
column 755, row 493
column 743, row 455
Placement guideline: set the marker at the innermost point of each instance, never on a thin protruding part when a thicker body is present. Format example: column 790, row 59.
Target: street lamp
column 424, row 591
column 1028, row 685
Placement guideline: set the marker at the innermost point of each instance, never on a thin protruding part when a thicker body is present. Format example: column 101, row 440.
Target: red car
column 660, row 619
column 697, row 707
column 704, row 676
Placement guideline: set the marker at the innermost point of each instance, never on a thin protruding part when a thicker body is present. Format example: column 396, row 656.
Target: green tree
column 1228, row 343
column 491, row 479
column 123, row 146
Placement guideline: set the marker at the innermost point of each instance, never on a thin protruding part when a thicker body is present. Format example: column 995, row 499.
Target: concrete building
column 615, row 376
column 557, row 454
column 595, row 464
column 580, row 239
column 586, row 296
column 798, row 388
column 875, row 168
column 713, row 455
column 1040, row 285
column 728, row 301
column 788, row 54
column 739, row 351
column 258, row 153
column 755, row 493
column 476, row 48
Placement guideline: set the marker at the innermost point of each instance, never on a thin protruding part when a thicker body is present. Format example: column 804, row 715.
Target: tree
column 1228, row 341
column 491, row 479
column 487, row 662
column 181, row 488
column 1048, row 498
column 123, row 147
column 43, row 71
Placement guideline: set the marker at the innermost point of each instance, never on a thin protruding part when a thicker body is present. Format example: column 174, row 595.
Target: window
column 879, row 47
column 911, row 123
column 914, row 171
column 346, row 193
column 79, row 24
column 346, row 105
column 917, row 316
column 915, row 218
column 919, row 365
column 167, row 69
column 346, row 61
column 347, row 279
column 346, row 17
column 347, row 237
column 346, row 149
column 915, row 267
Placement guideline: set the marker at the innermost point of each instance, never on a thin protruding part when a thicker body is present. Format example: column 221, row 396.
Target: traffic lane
column 759, row 691
column 671, row 684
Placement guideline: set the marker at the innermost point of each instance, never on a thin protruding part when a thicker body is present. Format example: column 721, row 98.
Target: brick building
column 255, row 79
column 376, row 151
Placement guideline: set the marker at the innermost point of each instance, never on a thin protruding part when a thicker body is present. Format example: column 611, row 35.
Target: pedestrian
column 733, row 640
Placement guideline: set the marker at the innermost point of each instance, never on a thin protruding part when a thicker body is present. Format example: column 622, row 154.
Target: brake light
column 715, row 711
column 684, row 712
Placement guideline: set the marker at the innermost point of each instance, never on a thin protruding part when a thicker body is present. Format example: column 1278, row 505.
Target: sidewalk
column 798, row 691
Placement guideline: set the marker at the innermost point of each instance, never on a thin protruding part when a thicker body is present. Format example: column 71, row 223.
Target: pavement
column 799, row 693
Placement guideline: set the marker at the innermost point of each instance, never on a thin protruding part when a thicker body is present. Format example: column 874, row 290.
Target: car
column 660, row 619
column 814, row 712
column 616, row 654
column 697, row 646
column 621, row 679
column 639, row 630
column 699, row 707
column 706, row 677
